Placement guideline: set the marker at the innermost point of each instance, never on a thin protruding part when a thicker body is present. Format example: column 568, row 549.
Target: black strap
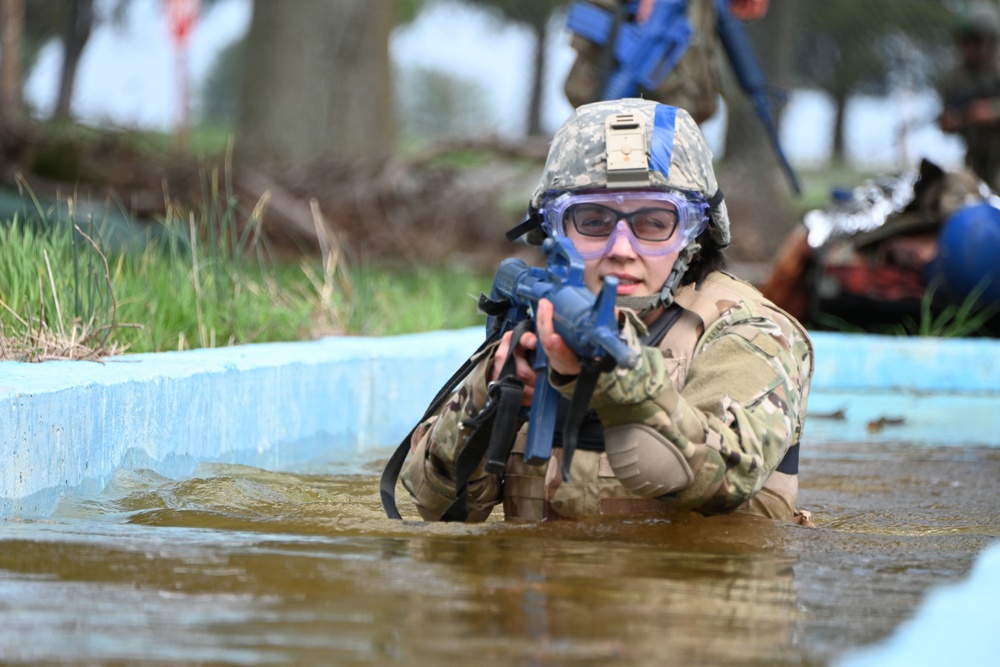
column 586, row 382
column 532, row 221
column 658, row 329
column 790, row 463
column 715, row 199
column 493, row 429
column 387, row 483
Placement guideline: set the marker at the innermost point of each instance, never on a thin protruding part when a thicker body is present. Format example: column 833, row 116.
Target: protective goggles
column 654, row 222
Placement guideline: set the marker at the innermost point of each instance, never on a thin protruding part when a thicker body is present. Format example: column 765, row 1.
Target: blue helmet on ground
column 969, row 253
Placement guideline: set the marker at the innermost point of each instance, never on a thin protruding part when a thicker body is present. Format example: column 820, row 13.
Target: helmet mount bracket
column 628, row 165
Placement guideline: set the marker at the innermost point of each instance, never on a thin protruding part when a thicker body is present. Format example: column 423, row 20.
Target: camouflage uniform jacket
column 732, row 404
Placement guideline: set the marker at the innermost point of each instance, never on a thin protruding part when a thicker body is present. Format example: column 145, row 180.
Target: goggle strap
column 532, row 221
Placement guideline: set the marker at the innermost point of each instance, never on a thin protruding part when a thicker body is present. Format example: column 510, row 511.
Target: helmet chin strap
column 644, row 305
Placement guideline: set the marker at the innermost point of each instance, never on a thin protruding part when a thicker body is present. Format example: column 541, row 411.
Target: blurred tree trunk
column 539, row 30
column 838, row 152
column 11, row 33
column 79, row 24
column 316, row 83
column 756, row 188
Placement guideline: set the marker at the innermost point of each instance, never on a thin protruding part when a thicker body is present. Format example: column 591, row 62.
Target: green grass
column 818, row 182
column 954, row 320
column 208, row 280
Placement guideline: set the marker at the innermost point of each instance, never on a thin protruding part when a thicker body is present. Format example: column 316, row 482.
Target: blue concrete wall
column 68, row 426
column 930, row 391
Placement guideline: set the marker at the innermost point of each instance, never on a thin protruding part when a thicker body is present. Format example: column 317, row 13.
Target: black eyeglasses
column 647, row 224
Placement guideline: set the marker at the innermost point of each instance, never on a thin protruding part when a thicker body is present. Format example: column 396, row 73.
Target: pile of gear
column 890, row 253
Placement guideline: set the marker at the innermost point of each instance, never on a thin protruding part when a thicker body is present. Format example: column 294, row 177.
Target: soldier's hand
column 562, row 359
column 950, row 120
column 748, row 10
column 522, row 367
column 643, row 11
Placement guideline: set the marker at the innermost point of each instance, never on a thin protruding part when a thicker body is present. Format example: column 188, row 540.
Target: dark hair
column 710, row 258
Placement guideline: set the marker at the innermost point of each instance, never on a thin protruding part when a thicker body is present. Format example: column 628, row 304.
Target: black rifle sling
column 387, row 484
column 493, row 430
column 586, row 382
column 658, row 329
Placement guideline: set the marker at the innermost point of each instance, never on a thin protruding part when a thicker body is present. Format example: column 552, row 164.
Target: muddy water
column 244, row 566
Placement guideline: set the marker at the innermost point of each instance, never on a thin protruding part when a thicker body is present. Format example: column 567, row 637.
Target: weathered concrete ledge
column 67, row 426
column 924, row 391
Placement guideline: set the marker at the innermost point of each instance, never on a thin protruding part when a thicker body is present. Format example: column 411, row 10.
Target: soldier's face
column 638, row 274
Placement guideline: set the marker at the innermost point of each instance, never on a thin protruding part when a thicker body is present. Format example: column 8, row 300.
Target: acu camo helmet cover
column 677, row 157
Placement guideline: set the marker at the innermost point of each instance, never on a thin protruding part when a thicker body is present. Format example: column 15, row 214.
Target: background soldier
column 693, row 85
column 971, row 92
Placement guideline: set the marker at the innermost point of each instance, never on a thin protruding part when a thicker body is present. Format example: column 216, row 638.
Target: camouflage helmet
column 675, row 156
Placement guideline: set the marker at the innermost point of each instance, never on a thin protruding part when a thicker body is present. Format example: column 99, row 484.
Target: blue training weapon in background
column 585, row 321
column 737, row 45
column 645, row 54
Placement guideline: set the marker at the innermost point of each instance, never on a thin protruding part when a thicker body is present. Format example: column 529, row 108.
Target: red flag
column 181, row 17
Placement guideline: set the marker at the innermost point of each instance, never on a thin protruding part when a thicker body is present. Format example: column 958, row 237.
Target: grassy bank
column 202, row 281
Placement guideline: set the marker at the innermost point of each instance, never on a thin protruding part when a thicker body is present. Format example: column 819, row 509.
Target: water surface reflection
column 244, row 566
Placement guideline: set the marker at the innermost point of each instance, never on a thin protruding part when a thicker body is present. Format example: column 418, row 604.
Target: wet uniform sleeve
column 429, row 472
column 738, row 414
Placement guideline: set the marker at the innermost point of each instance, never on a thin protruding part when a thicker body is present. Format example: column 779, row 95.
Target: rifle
column 588, row 325
column 741, row 55
column 585, row 321
column 645, row 54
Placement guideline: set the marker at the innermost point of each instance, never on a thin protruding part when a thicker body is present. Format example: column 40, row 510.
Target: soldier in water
column 710, row 417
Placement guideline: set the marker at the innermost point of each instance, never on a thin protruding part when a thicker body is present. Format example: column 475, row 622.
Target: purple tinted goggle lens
column 692, row 219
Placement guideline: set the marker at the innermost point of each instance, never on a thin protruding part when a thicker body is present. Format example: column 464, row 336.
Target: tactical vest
column 531, row 494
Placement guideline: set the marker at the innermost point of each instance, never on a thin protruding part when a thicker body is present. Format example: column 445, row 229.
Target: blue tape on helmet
column 662, row 143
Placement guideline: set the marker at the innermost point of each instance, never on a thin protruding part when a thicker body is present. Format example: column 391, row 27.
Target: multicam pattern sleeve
column 429, row 473
column 741, row 407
